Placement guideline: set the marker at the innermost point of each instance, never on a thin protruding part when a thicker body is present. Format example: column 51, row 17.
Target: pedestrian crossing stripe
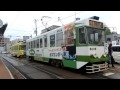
column 108, row 74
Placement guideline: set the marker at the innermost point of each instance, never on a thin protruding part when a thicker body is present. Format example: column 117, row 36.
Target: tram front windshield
column 91, row 36
column 95, row 36
column 23, row 47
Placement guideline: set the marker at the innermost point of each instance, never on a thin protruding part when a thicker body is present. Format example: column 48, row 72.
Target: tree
column 107, row 31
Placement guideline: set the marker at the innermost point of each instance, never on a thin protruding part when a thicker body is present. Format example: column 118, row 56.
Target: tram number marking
column 55, row 54
column 92, row 48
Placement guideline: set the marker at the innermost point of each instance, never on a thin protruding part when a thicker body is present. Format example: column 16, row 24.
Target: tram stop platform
column 4, row 71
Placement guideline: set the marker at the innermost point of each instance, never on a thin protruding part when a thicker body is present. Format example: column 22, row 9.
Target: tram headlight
column 104, row 55
column 22, row 53
column 93, row 56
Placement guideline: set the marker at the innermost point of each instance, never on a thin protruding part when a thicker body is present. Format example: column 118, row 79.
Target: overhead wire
column 15, row 19
column 66, row 17
column 43, row 26
column 69, row 16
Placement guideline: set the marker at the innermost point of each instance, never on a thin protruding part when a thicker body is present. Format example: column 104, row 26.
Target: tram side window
column 26, row 46
column 45, row 41
column 23, row 47
column 12, row 49
column 52, row 40
column 37, row 42
column 29, row 45
column 69, row 37
column 41, row 43
column 34, row 45
column 82, row 36
column 59, row 39
column 15, row 48
column 18, row 47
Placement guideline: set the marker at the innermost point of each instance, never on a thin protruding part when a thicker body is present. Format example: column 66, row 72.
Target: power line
column 59, row 18
column 15, row 19
column 43, row 26
column 72, row 15
column 68, row 16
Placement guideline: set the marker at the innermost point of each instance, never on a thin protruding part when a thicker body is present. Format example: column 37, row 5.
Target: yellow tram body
column 18, row 49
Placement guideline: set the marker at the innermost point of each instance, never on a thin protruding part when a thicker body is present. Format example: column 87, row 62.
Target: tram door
column 45, row 46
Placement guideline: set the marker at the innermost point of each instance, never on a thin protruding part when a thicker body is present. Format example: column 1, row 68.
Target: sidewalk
column 4, row 71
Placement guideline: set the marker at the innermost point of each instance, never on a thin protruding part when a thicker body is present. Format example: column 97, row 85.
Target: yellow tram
column 18, row 49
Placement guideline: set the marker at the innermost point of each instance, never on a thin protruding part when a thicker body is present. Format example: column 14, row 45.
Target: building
column 16, row 41
column 114, row 37
column 7, row 44
column 3, row 41
column 25, row 38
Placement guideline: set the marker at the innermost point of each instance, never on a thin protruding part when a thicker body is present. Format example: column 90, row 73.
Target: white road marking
column 108, row 74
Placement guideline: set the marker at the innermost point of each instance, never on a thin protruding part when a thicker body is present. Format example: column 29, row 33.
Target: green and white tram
column 76, row 45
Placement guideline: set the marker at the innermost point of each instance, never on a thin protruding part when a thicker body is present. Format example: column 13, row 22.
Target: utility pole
column 35, row 20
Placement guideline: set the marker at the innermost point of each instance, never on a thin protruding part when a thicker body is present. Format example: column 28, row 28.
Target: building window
column 108, row 39
column 115, row 37
column 118, row 37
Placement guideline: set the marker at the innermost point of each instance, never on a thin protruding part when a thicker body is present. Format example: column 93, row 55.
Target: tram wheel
column 58, row 63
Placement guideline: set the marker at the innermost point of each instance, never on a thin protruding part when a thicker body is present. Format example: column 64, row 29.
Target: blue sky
column 21, row 23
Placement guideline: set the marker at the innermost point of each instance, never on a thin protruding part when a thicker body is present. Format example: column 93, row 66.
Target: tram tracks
column 33, row 65
column 58, row 73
